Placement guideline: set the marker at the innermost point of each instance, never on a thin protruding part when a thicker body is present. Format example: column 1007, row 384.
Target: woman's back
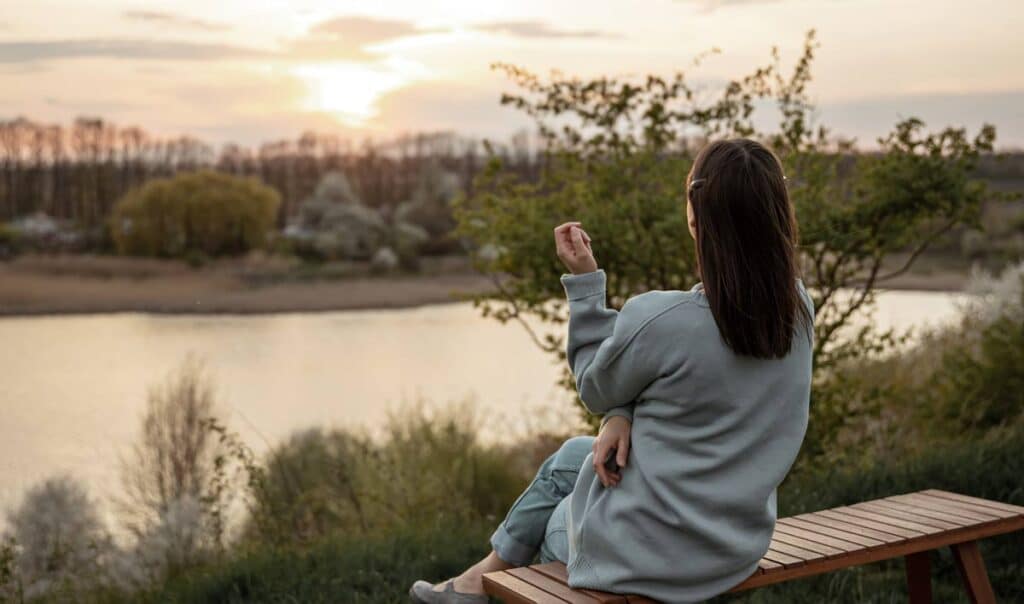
column 713, row 435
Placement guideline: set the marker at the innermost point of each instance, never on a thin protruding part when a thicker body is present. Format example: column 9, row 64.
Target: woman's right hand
column 613, row 435
column 573, row 247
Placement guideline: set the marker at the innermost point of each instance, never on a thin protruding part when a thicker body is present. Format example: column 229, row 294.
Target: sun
column 350, row 91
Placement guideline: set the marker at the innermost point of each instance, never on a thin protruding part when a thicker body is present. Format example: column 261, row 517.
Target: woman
column 705, row 398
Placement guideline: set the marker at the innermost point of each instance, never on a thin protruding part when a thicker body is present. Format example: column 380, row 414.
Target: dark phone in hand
column 609, row 462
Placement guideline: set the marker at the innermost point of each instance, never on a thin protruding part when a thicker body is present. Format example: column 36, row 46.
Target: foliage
column 352, row 566
column 8, row 241
column 179, row 480
column 979, row 384
column 55, row 543
column 205, row 212
column 957, row 380
column 333, row 223
column 319, row 483
column 340, row 568
column 616, row 155
column 430, row 207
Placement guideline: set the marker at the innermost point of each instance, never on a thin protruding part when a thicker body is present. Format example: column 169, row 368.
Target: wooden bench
column 908, row 525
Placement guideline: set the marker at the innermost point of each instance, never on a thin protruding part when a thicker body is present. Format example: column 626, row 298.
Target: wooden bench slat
column 818, row 537
column 841, row 530
column 820, row 548
column 766, row 566
column 937, row 511
column 984, row 503
column 870, row 524
column 949, row 507
column 910, row 515
column 965, row 507
column 782, row 558
column 558, row 572
column 792, row 550
column 552, row 586
column 915, row 528
column 514, row 589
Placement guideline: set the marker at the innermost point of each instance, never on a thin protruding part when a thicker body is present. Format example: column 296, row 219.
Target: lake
column 72, row 388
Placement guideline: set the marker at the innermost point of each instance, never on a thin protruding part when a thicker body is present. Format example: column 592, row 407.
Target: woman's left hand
column 614, row 435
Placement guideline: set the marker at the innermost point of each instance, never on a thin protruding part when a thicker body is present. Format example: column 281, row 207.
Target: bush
column 56, row 542
column 430, row 208
column 201, row 213
column 334, row 224
column 424, row 470
column 179, row 481
column 979, row 383
column 8, row 241
column 343, row 568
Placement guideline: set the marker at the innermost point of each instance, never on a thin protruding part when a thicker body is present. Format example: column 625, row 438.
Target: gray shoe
column 422, row 592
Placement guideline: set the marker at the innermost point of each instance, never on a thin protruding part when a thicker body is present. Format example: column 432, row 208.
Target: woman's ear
column 691, row 221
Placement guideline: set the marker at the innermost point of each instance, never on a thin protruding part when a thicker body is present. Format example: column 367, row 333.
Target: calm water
column 72, row 388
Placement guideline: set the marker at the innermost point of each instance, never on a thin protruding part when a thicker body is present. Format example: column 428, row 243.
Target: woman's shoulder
column 644, row 308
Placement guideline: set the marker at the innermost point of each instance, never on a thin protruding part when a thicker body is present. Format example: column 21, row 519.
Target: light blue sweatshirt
column 713, row 435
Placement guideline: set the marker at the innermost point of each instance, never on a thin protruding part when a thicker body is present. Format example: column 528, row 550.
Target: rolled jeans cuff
column 510, row 550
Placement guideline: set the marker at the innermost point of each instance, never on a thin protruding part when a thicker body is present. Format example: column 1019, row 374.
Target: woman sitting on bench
column 705, row 397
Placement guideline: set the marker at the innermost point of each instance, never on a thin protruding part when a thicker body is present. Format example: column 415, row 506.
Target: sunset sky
column 251, row 71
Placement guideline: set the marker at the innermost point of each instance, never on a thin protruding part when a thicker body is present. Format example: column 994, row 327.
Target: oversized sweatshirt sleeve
column 611, row 362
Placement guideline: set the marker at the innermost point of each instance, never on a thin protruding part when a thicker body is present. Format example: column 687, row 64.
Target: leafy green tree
column 616, row 153
column 198, row 213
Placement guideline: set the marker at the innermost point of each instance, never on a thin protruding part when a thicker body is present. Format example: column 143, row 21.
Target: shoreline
column 45, row 287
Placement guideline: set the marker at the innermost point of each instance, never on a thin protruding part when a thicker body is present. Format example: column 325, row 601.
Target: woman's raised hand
column 573, row 247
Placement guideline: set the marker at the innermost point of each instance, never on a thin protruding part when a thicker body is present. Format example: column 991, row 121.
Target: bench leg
column 919, row 578
column 973, row 573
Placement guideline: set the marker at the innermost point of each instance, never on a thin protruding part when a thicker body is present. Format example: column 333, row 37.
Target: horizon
column 228, row 73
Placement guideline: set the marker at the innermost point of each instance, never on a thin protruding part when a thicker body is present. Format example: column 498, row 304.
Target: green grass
column 335, row 569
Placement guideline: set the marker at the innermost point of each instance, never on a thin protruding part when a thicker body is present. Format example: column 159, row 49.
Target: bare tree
column 175, row 456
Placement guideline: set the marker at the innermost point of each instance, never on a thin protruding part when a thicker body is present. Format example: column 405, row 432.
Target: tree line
column 78, row 172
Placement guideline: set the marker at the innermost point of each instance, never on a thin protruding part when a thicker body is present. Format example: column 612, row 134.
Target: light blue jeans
column 536, row 523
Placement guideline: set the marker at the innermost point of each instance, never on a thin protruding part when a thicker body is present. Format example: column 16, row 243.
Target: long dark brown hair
column 746, row 236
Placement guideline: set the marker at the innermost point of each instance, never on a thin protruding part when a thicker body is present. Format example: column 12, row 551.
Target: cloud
column 350, row 37
column 538, row 29
column 448, row 105
column 173, row 20
column 709, row 6
column 24, row 52
column 342, row 38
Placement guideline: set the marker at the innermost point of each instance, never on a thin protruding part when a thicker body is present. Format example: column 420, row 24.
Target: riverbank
column 96, row 284
column 46, row 285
